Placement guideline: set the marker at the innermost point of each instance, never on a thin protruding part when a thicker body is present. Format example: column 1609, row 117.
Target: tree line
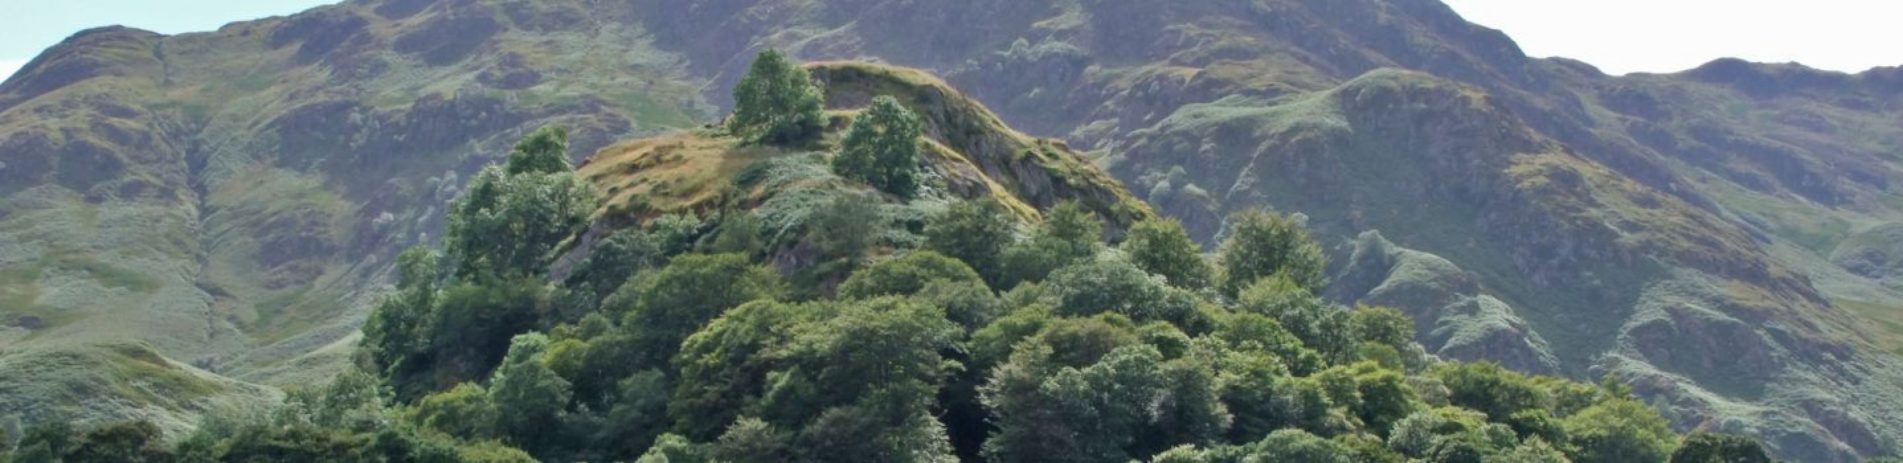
column 989, row 340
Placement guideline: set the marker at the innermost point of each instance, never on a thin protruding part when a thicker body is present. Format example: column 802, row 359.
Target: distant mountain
column 1723, row 239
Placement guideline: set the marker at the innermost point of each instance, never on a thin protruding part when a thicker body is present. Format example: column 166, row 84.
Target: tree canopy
column 937, row 333
column 882, row 148
column 777, row 102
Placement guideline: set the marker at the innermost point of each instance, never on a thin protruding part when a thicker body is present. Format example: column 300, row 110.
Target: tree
column 1618, row 430
column 726, row 363
column 664, row 306
column 527, row 393
column 393, row 335
column 1297, row 445
column 672, row 448
column 543, row 152
column 1261, row 244
column 512, row 218
column 472, row 328
column 1115, row 285
column 846, row 380
column 881, row 148
column 1324, row 327
column 127, row 442
column 969, row 303
column 1424, row 433
column 1162, row 247
column 739, row 234
column 1045, row 412
column 615, row 260
column 973, row 231
column 777, row 102
column 870, row 375
column 1257, row 332
column 1533, row 450
column 906, row 275
column 1384, row 326
column 638, row 416
column 751, row 440
column 463, row 411
column 1069, row 234
column 1376, row 396
column 1491, row 389
column 1719, row 448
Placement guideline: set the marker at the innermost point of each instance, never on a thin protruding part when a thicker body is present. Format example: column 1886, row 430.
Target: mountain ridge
column 1778, row 166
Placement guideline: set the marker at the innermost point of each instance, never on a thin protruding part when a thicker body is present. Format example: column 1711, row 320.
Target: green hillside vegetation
column 1054, row 346
column 235, row 202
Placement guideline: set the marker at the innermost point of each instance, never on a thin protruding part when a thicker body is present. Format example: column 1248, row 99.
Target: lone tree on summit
column 777, row 102
column 882, row 148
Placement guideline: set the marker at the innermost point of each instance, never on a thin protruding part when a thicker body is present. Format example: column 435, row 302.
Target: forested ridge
column 957, row 330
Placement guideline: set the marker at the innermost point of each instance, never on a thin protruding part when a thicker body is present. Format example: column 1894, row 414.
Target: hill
column 236, row 199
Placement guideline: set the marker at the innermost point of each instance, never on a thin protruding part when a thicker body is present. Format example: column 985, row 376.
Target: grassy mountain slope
column 233, row 198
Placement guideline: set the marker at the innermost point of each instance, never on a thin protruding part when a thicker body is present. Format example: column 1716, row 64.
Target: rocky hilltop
column 1719, row 238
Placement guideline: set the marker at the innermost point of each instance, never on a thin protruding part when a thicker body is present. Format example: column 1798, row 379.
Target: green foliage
column 1618, row 430
column 543, row 152
column 992, row 345
column 1384, row 326
column 776, row 102
column 1533, row 450
column 975, row 232
column 969, row 303
column 1162, row 247
column 664, row 306
column 724, row 365
column 527, row 393
column 672, row 448
column 845, row 227
column 615, row 260
column 1255, row 332
column 129, row 442
column 471, row 329
column 906, row 275
column 1261, row 244
column 1326, row 328
column 882, row 148
column 1719, row 448
column 856, row 379
column 394, row 336
column 1297, row 445
column 1376, row 396
column 1091, row 356
column 1069, row 235
column 1046, row 411
column 638, row 416
column 1116, row 285
column 1491, row 389
column 464, row 411
column 512, row 218
column 739, row 233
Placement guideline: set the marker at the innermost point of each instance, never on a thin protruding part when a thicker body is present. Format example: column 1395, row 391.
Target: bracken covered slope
column 1720, row 238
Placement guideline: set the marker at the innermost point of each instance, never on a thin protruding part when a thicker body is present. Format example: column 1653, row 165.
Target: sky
column 1624, row 36
column 1618, row 36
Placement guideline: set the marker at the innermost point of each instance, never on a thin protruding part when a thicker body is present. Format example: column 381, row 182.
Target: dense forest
column 959, row 330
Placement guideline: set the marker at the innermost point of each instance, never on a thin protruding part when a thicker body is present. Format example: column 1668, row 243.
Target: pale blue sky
column 1622, row 36
column 1619, row 36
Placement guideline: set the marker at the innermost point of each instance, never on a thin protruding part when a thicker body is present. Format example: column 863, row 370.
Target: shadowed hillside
column 1721, row 239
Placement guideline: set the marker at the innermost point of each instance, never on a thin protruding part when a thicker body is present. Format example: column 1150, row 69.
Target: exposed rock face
column 234, row 198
